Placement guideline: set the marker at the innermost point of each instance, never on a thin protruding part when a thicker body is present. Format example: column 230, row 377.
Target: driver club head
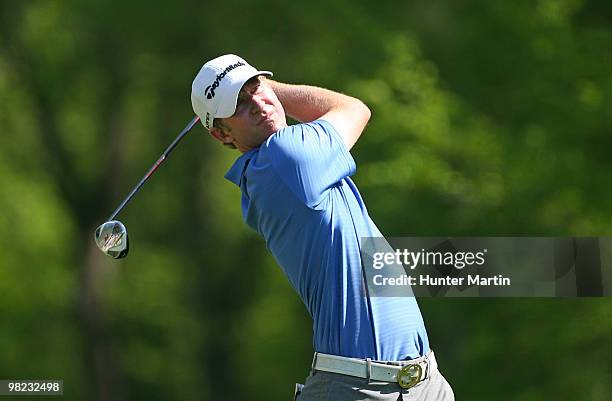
column 112, row 239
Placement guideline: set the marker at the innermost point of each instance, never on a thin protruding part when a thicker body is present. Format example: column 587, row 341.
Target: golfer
column 298, row 195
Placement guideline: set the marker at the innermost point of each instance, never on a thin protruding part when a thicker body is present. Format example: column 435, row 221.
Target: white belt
column 406, row 373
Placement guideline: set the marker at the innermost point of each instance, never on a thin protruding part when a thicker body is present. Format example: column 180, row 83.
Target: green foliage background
column 489, row 118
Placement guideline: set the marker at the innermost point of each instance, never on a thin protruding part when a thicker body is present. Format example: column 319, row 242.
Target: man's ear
column 221, row 135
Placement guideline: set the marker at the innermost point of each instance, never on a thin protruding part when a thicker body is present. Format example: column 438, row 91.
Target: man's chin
column 270, row 127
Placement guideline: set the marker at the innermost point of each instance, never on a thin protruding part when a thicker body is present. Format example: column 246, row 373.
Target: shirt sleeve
column 310, row 158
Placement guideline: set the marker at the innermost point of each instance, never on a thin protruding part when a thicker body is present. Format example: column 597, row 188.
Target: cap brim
column 227, row 107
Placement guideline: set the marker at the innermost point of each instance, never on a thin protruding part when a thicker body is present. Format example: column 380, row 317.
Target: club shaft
column 153, row 168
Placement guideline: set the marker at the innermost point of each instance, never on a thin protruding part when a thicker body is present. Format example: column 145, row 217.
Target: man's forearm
column 307, row 103
column 304, row 103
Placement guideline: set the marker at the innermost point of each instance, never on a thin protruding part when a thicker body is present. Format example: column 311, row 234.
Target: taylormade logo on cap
column 210, row 89
column 214, row 91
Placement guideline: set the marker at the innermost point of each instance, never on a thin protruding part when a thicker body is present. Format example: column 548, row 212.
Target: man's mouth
column 265, row 118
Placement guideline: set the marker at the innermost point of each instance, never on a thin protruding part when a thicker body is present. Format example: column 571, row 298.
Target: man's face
column 258, row 115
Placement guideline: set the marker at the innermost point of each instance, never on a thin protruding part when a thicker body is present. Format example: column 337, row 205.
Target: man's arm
column 304, row 103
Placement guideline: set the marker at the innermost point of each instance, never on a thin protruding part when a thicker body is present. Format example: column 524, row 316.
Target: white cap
column 215, row 89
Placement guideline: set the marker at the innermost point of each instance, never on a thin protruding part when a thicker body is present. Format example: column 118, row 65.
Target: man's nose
column 257, row 104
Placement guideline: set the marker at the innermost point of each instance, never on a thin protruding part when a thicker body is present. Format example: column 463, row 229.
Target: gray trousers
column 325, row 386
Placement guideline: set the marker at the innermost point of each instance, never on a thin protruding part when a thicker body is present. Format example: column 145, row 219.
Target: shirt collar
column 236, row 172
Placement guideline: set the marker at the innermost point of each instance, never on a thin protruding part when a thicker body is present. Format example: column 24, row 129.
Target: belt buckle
column 409, row 375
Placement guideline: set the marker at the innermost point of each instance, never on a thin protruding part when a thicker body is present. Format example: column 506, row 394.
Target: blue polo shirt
column 296, row 193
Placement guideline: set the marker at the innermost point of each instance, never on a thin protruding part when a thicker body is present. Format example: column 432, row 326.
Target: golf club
column 111, row 237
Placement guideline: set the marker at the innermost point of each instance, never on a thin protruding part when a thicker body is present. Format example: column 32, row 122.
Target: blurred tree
column 489, row 119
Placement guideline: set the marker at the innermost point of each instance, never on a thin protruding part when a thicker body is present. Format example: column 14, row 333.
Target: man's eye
column 254, row 89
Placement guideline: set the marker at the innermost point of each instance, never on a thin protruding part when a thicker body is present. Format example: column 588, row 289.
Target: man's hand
column 304, row 103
